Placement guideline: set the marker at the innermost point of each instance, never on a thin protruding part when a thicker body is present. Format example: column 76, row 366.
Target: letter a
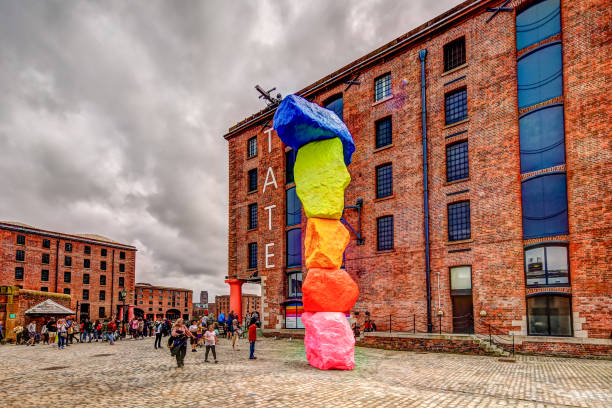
column 269, row 183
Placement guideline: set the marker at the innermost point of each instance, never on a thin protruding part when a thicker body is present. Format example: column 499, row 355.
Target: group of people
column 65, row 331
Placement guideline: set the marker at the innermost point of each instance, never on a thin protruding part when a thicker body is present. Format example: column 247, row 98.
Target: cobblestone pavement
column 133, row 374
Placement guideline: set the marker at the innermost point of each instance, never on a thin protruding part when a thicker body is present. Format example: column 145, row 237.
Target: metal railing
column 499, row 337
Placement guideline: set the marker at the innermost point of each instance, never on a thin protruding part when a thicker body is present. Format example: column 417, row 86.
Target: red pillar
column 121, row 313
column 236, row 296
column 130, row 313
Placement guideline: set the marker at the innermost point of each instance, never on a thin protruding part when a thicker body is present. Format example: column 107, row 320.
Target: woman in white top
column 62, row 333
column 193, row 328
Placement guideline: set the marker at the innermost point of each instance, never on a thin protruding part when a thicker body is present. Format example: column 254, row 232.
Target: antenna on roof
column 268, row 97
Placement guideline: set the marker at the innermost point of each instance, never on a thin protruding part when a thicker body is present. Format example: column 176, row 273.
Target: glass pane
column 542, row 139
column 544, row 201
column 336, row 105
column 295, row 285
column 461, row 277
column 556, row 264
column 294, row 208
column 560, row 319
column 290, row 163
column 539, row 76
column 537, row 316
column 534, row 266
column 537, row 22
column 294, row 248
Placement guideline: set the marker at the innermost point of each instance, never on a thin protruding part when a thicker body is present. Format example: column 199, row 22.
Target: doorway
column 463, row 316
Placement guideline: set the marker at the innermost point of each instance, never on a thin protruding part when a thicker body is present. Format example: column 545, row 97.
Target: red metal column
column 236, row 296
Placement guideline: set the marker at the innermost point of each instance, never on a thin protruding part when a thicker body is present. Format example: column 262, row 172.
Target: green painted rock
column 321, row 177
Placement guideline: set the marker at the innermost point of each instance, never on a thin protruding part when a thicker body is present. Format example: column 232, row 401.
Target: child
column 253, row 338
column 210, row 338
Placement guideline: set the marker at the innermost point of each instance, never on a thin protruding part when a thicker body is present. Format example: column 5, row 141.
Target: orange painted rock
column 325, row 243
column 329, row 290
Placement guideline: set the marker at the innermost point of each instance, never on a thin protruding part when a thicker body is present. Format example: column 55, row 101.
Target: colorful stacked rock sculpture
column 324, row 149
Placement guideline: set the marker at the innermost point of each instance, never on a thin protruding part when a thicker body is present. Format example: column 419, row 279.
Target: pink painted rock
column 329, row 341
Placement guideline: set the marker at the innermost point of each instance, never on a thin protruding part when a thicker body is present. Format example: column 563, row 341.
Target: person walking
column 236, row 333
column 110, row 332
column 193, row 329
column 52, row 328
column 62, row 333
column 44, row 334
column 180, row 333
column 253, row 338
column 97, row 330
column 31, row 333
column 158, row 335
column 1, row 331
column 140, row 328
column 134, row 328
column 210, row 339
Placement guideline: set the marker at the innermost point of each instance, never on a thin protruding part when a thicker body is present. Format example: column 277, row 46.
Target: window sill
column 463, row 241
column 388, row 98
column 252, row 157
column 251, row 192
column 376, row 200
column 551, row 287
column 380, row 149
column 251, row 269
column 252, row 229
column 16, row 260
column 451, row 183
column 452, row 71
column 290, row 185
column 456, row 123
column 385, row 251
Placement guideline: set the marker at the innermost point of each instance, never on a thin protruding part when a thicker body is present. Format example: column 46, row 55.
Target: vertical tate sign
column 270, row 181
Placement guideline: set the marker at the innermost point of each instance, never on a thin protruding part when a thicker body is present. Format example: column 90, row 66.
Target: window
column 46, row 243
column 549, row 315
column 121, row 267
column 86, row 263
column 544, row 206
column 44, row 289
column 295, row 284
column 294, row 208
column 461, row 280
column 384, row 233
column 66, row 291
column 103, row 265
column 547, row 265
column 454, row 54
column 19, row 273
column 102, row 295
column 103, row 252
column 45, row 258
column 67, row 261
column 252, row 216
column 102, row 280
column 252, row 147
column 85, row 294
column 20, row 239
column 455, row 106
column 121, row 255
column 382, row 87
column 252, row 180
column 101, row 312
column 67, row 277
column 542, row 138
column 540, row 75
column 44, row 275
column 459, row 227
column 335, row 104
column 87, row 250
column 68, row 247
column 384, row 180
column 121, row 281
column 457, row 161
column 85, row 279
column 538, row 22
column 289, row 165
column 383, row 132
column 294, row 248
column 252, row 255
column 20, row 255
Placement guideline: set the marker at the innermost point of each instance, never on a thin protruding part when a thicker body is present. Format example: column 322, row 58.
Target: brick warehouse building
column 154, row 301
column 505, row 165
column 249, row 304
column 92, row 269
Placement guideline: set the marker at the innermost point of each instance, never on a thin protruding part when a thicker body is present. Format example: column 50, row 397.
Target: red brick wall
column 150, row 299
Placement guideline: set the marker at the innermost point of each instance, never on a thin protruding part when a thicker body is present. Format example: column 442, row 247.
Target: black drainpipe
column 422, row 56
column 56, row 262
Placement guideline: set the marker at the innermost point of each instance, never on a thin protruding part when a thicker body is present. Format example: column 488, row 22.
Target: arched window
column 537, row 23
column 540, row 75
column 544, row 200
column 549, row 315
column 546, row 265
column 542, row 138
column 335, row 104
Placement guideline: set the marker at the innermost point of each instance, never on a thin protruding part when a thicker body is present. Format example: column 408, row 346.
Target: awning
column 49, row 307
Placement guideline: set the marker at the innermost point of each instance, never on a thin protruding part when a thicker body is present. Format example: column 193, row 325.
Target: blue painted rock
column 298, row 122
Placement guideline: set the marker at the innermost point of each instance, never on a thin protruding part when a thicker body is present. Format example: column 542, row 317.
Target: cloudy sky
column 112, row 112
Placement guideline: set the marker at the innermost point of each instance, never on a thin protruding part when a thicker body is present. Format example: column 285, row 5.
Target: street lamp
column 122, row 296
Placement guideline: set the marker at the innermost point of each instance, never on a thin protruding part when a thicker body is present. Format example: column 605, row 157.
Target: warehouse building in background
column 481, row 193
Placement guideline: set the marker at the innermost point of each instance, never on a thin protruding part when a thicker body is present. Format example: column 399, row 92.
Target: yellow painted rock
column 325, row 243
column 321, row 177
column 329, row 290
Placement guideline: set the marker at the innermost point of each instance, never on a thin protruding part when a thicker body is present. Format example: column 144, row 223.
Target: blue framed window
column 459, row 224
column 544, row 205
column 538, row 22
column 384, row 135
column 546, row 265
column 289, row 165
column 384, row 180
column 294, row 281
column 19, row 273
column 540, row 75
column 252, row 216
column 335, row 104
column 382, row 87
column 252, row 255
column 454, row 54
column 549, row 315
column 384, row 233
column 252, row 147
column 457, row 161
column 294, row 208
column 455, row 106
column 542, row 138
column 294, row 248
column 252, row 180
